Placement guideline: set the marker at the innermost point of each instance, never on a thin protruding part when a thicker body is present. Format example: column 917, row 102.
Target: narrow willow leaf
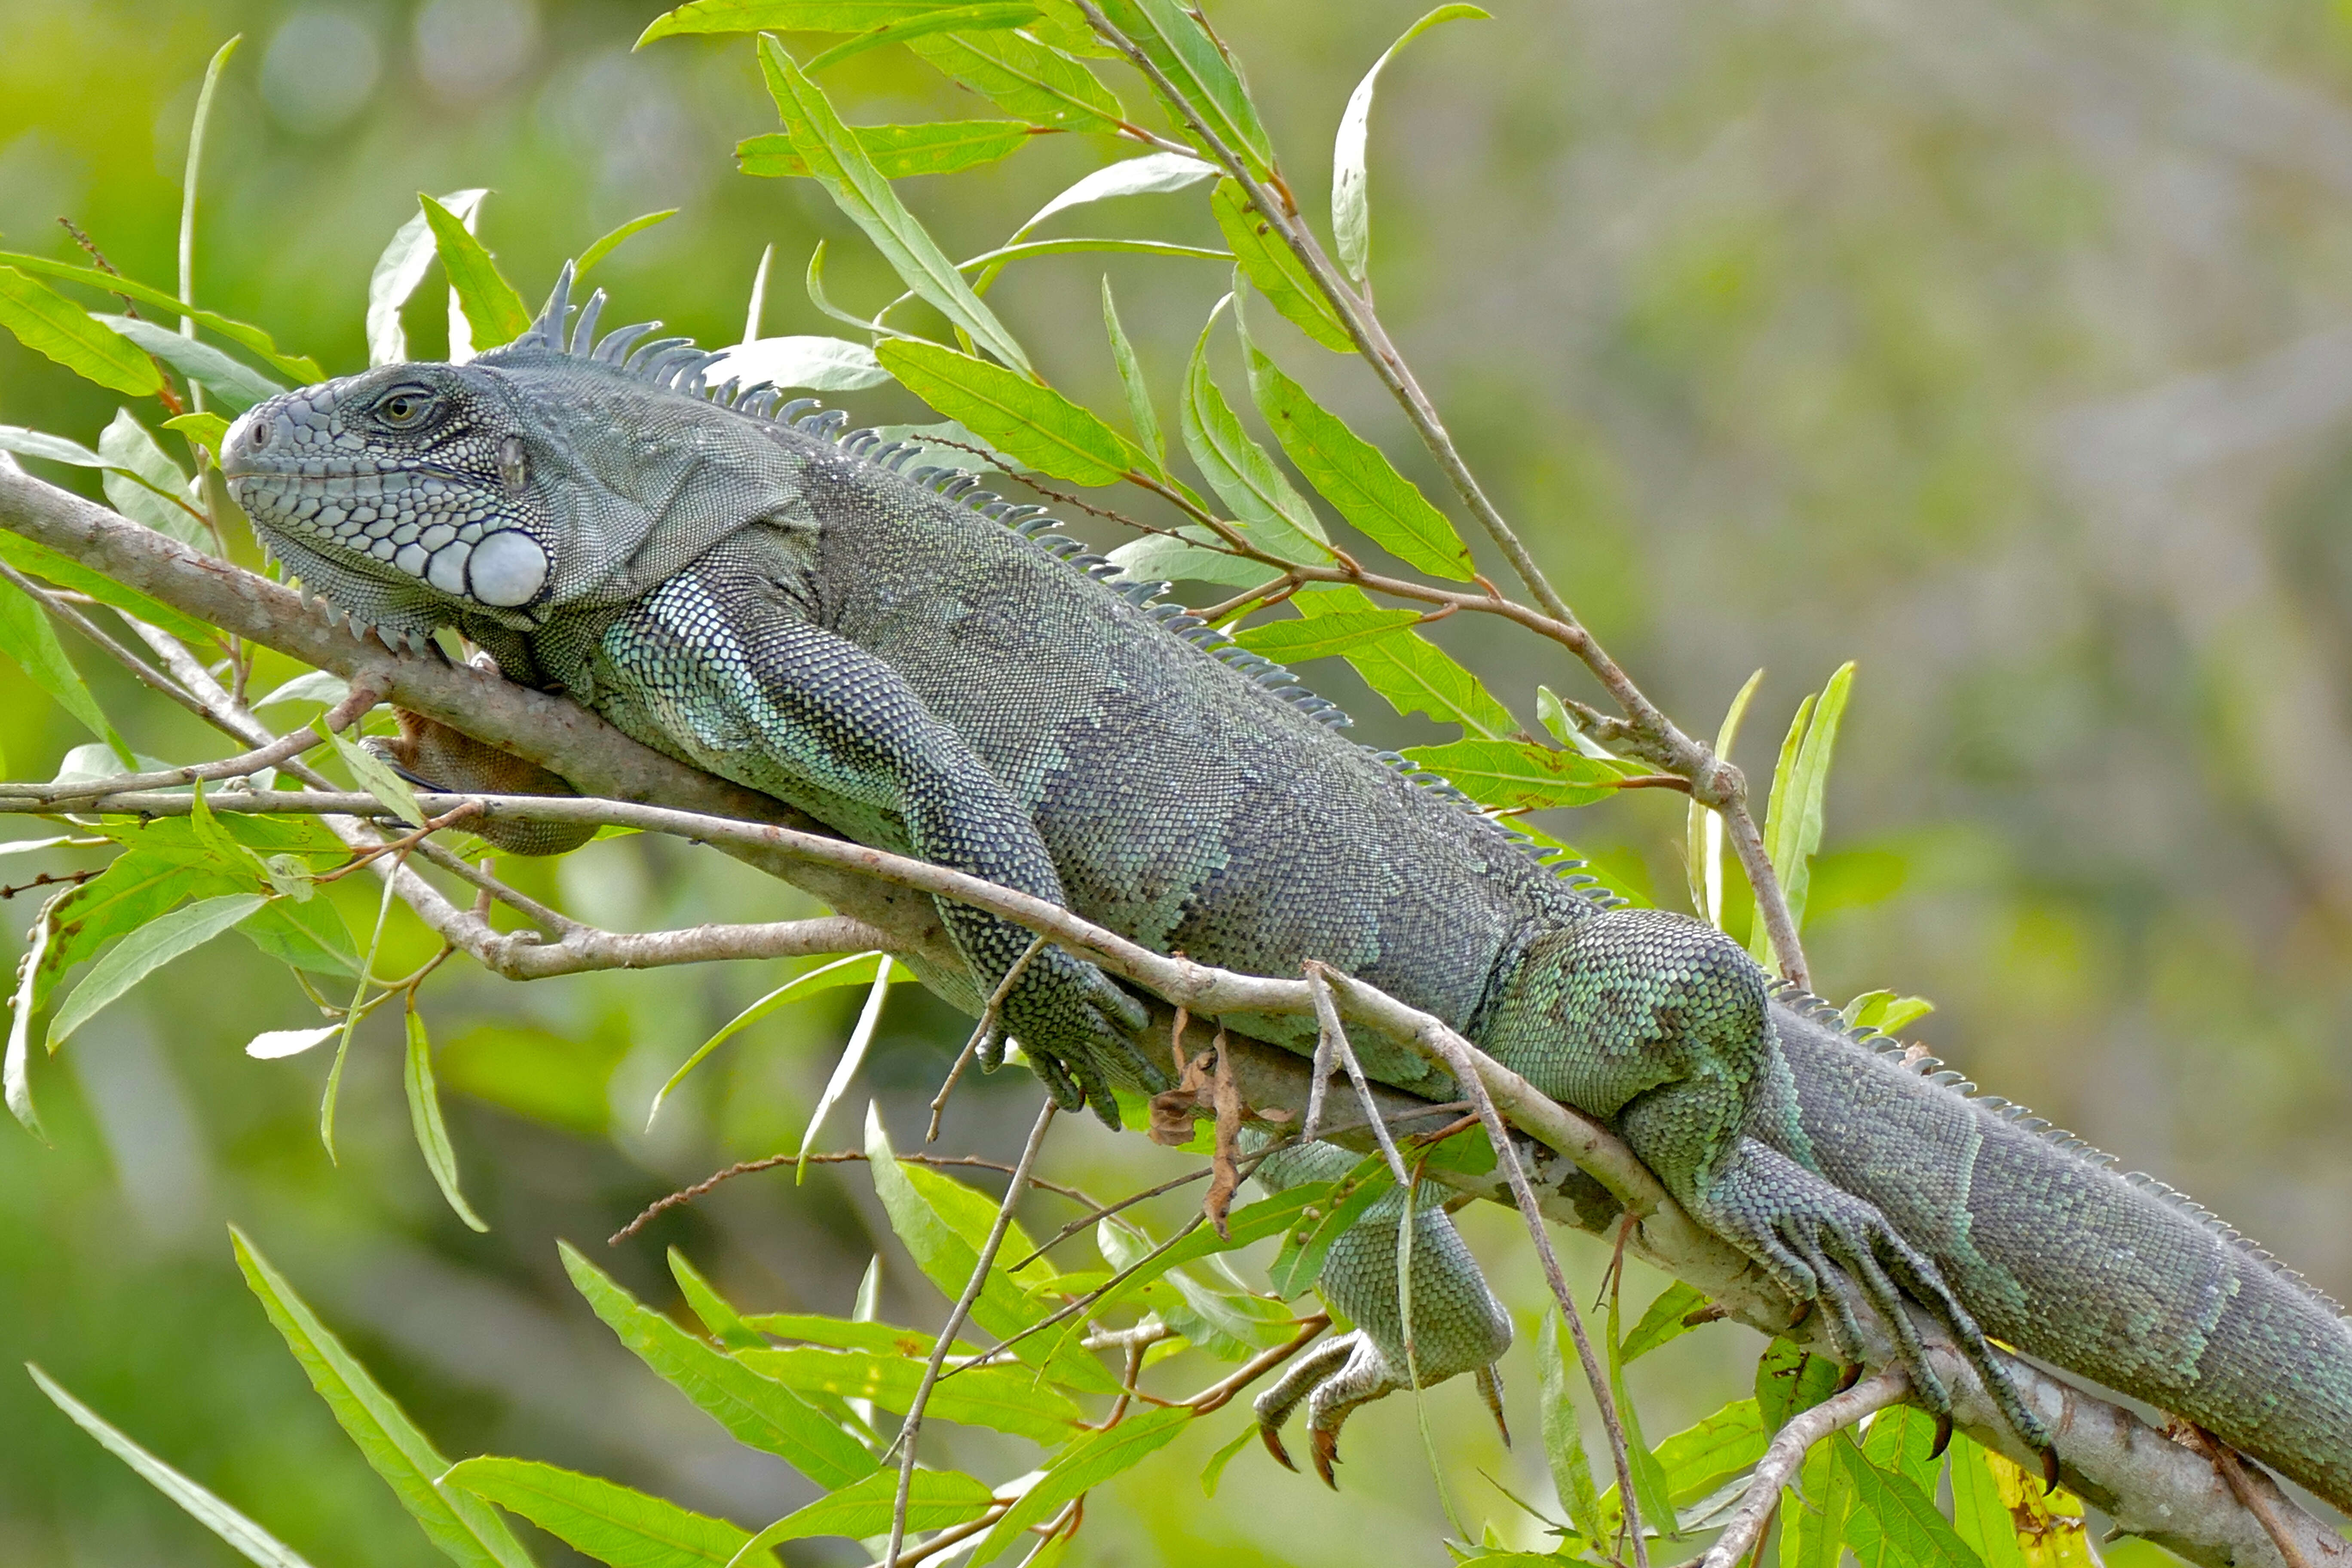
column 852, row 1333
column 726, row 1325
column 1139, row 412
column 937, row 1499
column 144, row 951
column 1008, row 1399
column 1563, row 1435
column 40, row 444
column 1895, row 1525
column 1650, row 1488
column 940, row 147
column 493, row 308
column 1294, row 641
column 1087, row 1463
column 1277, row 516
column 16, row 1065
column 982, row 18
column 1186, row 557
column 1519, row 774
column 1414, row 674
column 1980, row 1510
column 1703, row 829
column 425, row 1117
column 248, row 1539
column 312, row 686
column 1793, row 827
column 1701, row 1457
column 206, row 430
column 1351, row 216
column 352, row 1016
column 602, row 1519
column 755, row 1410
column 818, row 364
column 1176, row 41
column 39, row 561
column 782, row 17
column 607, row 244
column 1034, row 424
column 1299, row 1263
column 1214, row 1470
column 399, row 270
column 1151, row 174
column 1276, row 1216
column 1024, row 78
column 853, row 1056
column 27, row 637
column 272, row 1044
column 238, row 386
column 143, row 484
column 244, row 335
column 1813, row 1517
column 1275, row 270
column 374, row 775
column 49, row 323
column 838, row 164
column 1354, row 476
column 858, row 968
column 1885, row 1011
column 467, row 1532
column 1663, row 1322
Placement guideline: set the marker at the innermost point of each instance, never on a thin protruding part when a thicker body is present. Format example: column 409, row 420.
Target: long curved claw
column 1944, row 1438
column 1326, row 1452
column 1299, row 1380
column 1490, row 1389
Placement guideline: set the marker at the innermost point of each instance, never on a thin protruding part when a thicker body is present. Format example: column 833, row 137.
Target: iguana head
column 556, row 472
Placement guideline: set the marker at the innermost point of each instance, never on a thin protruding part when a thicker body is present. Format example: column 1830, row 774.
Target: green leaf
column 375, row 775
column 1032, row 423
column 27, row 637
column 857, row 968
column 602, row 1519
column 1224, row 1320
column 941, row 147
column 1139, row 412
column 1215, row 1468
column 1901, row 1441
column 495, row 311
column 466, row 1531
column 1813, row 1518
column 607, row 244
column 1088, row 1463
column 1173, row 40
column 1414, row 674
column 979, row 18
column 1895, row 1525
column 238, row 386
column 301, row 367
column 49, row 323
column 1980, row 1511
column 1351, row 216
column 144, row 951
column 206, row 430
column 1355, row 477
column 726, row 1325
column 819, row 364
column 1703, row 829
column 1791, row 1381
column 937, row 1499
column 845, row 1068
column 39, row 561
column 1024, row 79
column 1651, row 1489
column 1154, row 173
column 1519, row 773
column 16, row 1063
column 1299, row 1264
column 1793, row 830
column 1275, row 270
column 840, row 164
column 247, row 1538
column 1005, row 1398
column 399, row 269
column 851, row 1334
column 1297, row 640
column 1185, row 558
column 1276, row 1216
column 425, row 1117
column 41, row 444
column 144, row 485
column 1664, row 1320
column 753, row 1409
column 1885, row 1011
column 1275, row 516
column 1701, row 1457
column 782, row 17
column 309, row 934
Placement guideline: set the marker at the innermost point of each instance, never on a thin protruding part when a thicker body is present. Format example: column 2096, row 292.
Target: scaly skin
column 781, row 609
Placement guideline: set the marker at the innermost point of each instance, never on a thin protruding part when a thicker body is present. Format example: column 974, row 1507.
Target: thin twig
column 980, row 1034
column 1219, row 1394
column 147, row 673
column 910, row 1431
column 1745, row 1529
column 835, row 1157
column 2252, row 1497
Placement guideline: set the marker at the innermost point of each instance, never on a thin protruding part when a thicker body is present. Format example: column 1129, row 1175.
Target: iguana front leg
column 722, row 667
column 432, row 755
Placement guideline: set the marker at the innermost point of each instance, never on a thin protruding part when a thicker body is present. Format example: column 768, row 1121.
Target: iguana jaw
column 402, row 495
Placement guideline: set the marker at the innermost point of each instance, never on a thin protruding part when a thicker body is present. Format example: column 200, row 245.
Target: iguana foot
column 1078, row 1028
column 1823, row 1245
column 1331, row 1380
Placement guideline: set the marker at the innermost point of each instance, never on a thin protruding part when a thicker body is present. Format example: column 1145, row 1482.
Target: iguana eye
column 403, row 407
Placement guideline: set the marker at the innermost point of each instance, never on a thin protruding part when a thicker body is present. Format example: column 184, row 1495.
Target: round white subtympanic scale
column 507, row 569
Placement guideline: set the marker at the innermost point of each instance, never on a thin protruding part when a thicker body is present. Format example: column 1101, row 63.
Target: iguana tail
column 2115, row 1278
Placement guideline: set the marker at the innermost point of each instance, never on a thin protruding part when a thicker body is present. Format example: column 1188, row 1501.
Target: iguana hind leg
column 433, row 756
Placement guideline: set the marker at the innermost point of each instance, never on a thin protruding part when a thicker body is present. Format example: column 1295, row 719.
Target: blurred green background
column 2001, row 347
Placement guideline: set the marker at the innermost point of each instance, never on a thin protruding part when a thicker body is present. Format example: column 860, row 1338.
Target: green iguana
column 933, row 670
